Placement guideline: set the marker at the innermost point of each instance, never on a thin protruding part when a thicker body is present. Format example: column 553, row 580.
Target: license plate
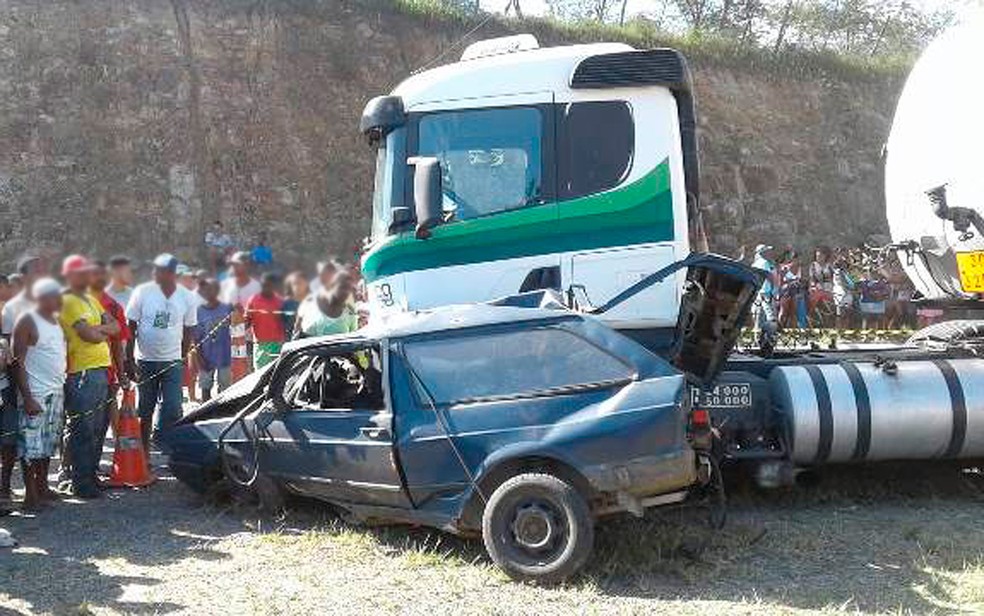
column 970, row 266
column 724, row 396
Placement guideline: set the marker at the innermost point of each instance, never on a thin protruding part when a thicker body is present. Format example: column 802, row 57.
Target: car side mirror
column 427, row 196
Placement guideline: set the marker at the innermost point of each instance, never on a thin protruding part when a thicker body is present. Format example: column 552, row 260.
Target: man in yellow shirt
column 87, row 331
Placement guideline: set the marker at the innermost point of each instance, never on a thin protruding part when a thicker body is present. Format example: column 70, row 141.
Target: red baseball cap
column 75, row 263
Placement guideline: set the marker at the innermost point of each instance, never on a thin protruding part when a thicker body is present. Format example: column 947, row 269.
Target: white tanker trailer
column 934, row 183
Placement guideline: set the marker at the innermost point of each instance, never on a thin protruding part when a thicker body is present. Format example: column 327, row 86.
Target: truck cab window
column 491, row 159
column 596, row 140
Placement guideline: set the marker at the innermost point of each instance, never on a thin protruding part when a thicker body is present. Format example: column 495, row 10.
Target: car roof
column 444, row 318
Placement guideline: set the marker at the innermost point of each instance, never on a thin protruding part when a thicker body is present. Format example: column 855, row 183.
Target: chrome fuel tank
column 855, row 411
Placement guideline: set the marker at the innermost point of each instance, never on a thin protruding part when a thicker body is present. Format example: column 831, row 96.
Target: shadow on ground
column 876, row 538
column 54, row 569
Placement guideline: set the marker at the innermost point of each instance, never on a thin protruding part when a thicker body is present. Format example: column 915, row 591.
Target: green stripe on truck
column 639, row 213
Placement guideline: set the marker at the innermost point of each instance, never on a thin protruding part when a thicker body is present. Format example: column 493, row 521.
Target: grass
column 896, row 539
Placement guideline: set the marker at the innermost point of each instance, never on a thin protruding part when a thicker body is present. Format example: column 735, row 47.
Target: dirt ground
column 884, row 539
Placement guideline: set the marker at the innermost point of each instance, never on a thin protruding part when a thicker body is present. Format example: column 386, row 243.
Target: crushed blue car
column 521, row 420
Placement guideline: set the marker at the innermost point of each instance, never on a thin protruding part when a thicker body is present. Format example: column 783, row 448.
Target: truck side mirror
column 402, row 217
column 427, row 197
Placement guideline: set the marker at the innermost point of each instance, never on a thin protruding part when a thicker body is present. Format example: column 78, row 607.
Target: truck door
column 331, row 437
column 605, row 273
column 621, row 207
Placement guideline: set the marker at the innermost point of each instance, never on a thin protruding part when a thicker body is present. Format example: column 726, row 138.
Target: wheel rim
column 537, row 532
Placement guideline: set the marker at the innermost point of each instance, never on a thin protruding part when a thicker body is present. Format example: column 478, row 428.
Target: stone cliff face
column 131, row 126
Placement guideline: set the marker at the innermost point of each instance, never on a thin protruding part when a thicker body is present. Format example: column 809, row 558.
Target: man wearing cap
column 39, row 343
column 28, row 268
column 88, row 329
column 162, row 315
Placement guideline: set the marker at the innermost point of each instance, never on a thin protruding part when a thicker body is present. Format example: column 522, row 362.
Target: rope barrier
column 156, row 375
column 210, row 335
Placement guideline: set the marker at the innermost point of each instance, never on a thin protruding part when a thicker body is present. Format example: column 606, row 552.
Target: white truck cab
column 570, row 168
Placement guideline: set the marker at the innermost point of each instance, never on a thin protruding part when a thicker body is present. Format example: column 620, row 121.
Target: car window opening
column 343, row 381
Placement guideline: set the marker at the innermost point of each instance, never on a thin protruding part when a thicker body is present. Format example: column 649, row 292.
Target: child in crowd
column 296, row 290
column 264, row 318
column 213, row 339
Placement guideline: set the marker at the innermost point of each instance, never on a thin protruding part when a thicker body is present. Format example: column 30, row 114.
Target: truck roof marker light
column 500, row 46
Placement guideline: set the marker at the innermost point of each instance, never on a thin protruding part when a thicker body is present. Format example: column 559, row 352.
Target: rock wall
column 130, row 126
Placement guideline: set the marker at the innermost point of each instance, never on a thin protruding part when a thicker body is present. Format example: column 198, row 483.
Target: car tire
column 538, row 528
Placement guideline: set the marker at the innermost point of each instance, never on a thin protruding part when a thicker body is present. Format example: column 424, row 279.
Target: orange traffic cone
column 240, row 350
column 130, row 469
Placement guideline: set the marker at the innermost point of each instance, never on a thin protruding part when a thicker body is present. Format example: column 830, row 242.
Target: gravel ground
column 895, row 539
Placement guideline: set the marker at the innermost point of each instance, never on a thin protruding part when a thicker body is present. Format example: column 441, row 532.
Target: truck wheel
column 538, row 528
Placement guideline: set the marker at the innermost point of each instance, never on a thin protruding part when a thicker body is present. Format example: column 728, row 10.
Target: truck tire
column 538, row 528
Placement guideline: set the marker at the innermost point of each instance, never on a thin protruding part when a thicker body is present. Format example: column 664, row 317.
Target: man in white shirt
column 240, row 287
column 162, row 315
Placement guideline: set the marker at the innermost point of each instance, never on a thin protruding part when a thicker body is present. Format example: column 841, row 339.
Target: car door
column 336, row 448
column 463, row 396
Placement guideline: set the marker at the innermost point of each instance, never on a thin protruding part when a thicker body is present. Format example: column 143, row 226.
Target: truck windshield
column 391, row 159
column 490, row 158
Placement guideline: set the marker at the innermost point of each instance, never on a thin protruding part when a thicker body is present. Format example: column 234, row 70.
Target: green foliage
column 701, row 47
column 795, row 38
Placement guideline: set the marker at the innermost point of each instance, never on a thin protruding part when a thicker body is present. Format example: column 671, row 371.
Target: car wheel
column 538, row 528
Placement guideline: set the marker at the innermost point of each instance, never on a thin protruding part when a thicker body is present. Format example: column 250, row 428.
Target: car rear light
column 700, row 429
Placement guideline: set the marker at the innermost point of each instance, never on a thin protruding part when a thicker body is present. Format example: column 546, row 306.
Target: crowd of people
column 71, row 346
column 843, row 288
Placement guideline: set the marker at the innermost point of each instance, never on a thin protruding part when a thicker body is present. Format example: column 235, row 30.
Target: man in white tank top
column 39, row 374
